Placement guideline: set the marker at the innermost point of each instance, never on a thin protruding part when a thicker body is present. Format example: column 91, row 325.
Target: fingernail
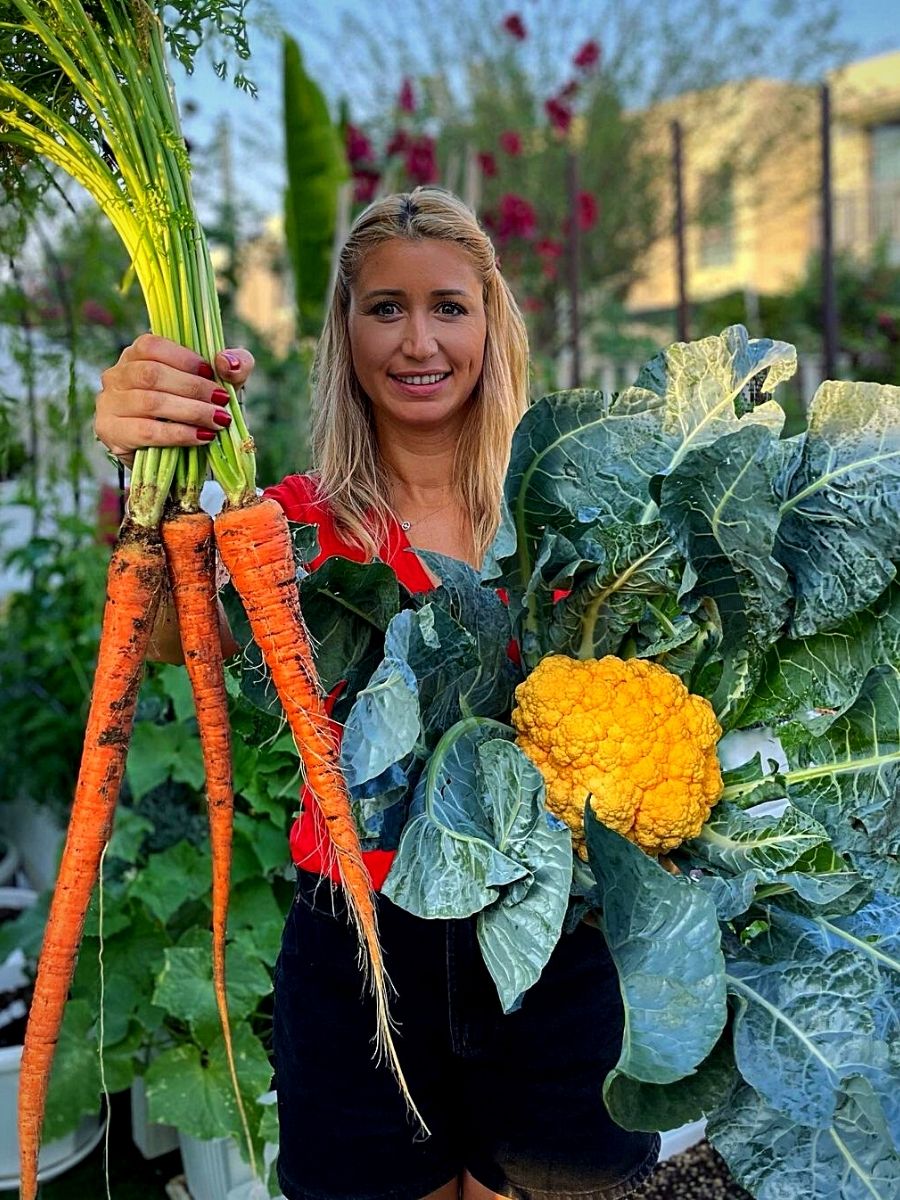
column 232, row 359
column 205, row 371
column 220, row 396
column 222, row 418
column 205, row 435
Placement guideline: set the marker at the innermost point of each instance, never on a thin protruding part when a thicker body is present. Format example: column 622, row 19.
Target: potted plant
column 70, row 1133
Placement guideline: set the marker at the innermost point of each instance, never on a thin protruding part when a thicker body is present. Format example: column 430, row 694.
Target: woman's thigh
column 538, row 1127
column 344, row 1128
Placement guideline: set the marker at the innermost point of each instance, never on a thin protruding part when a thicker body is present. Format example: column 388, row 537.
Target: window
column 716, row 218
column 885, row 200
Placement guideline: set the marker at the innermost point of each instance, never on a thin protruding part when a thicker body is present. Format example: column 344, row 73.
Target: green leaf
column 813, row 679
column 654, row 1106
column 617, row 574
column 439, row 652
column 447, row 864
column 316, row 167
column 848, row 779
column 517, row 933
column 802, row 1027
column 161, row 752
column 268, row 841
column 171, row 878
column 191, row 1088
column 347, row 607
column 645, row 911
column 74, row 1089
column 252, row 907
column 721, row 510
column 734, row 840
column 175, row 683
column 485, row 689
column 851, row 1157
column 839, row 531
column 383, row 724
column 128, row 835
column 184, row 987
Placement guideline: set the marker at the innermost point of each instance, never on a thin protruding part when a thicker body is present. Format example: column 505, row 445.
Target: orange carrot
column 255, row 544
column 191, row 557
column 134, row 585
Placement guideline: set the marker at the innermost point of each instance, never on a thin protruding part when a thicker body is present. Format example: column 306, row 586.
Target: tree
column 494, row 103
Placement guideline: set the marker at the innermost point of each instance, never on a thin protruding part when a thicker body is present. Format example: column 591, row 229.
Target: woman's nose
column 419, row 341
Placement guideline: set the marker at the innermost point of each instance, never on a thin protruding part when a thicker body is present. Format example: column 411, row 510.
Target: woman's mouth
column 421, row 384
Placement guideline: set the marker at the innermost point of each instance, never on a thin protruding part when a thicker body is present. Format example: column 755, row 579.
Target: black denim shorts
column 515, row 1099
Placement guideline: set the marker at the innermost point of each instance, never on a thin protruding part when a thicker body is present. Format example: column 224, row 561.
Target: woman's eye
column 379, row 309
column 451, row 304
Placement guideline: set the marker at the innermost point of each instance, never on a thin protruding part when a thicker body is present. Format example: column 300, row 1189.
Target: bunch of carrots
column 89, row 92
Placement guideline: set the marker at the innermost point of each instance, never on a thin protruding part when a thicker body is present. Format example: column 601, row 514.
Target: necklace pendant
column 405, row 526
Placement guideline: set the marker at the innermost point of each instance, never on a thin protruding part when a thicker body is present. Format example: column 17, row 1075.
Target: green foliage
column 48, row 646
column 316, row 167
column 760, row 970
column 159, row 1014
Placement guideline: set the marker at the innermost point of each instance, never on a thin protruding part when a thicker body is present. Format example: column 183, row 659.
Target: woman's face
column 417, row 332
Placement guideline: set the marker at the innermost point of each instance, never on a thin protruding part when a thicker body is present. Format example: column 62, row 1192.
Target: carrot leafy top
column 84, row 85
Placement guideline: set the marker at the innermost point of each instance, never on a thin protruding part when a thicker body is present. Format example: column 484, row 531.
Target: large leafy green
column 479, row 840
column 839, row 532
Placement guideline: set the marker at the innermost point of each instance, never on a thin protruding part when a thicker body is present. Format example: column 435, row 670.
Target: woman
column 421, row 378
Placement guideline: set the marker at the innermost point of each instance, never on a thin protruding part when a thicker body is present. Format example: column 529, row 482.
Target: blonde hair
column 352, row 474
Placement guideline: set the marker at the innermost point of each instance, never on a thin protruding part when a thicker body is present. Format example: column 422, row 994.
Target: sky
column 873, row 26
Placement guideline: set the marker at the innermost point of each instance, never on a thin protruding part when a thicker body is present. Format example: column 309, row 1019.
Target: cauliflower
column 629, row 735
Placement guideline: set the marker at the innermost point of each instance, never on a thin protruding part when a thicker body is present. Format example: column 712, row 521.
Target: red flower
column 517, row 218
column 548, row 248
column 560, row 114
column 532, row 304
column 588, row 56
column 365, row 185
column 488, row 164
column 398, row 144
column 359, row 148
column 421, row 163
column 511, row 143
column 515, row 27
column 588, row 209
column 406, row 101
column 97, row 314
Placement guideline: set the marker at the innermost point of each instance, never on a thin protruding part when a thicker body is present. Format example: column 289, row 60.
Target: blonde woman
column 420, row 379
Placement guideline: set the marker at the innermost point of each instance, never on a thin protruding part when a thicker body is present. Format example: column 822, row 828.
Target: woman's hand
column 162, row 394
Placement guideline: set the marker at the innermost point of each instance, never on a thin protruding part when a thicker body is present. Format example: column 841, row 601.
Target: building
column 752, row 182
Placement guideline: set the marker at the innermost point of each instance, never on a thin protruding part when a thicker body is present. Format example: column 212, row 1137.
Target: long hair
column 351, row 474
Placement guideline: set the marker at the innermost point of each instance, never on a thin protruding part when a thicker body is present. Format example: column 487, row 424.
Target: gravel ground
column 699, row 1173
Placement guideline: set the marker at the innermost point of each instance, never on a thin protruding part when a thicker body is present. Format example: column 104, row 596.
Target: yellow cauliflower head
column 629, row 735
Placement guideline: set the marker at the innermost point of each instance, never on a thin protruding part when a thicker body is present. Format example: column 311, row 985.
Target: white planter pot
column 676, row 1141
column 56, row 1156
column 212, row 1169
column 38, row 835
column 9, row 863
column 150, row 1138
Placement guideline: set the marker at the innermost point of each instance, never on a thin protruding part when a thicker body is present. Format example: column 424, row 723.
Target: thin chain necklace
column 407, row 525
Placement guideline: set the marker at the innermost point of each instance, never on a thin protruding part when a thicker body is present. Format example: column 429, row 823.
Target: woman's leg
column 473, row 1190
column 450, row 1191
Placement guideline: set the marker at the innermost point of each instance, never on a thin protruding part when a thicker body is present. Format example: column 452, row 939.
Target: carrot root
column 190, row 554
column 255, row 544
column 134, row 584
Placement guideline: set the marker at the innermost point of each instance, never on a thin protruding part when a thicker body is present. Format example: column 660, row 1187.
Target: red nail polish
column 205, row 435
column 205, row 371
column 220, row 396
column 222, row 418
column 232, row 359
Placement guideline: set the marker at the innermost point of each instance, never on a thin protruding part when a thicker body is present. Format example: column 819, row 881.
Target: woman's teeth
column 422, row 379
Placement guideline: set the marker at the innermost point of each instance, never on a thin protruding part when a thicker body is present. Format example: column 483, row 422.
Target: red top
column 297, row 496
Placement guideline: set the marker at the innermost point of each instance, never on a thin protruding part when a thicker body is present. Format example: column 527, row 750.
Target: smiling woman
column 421, row 377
